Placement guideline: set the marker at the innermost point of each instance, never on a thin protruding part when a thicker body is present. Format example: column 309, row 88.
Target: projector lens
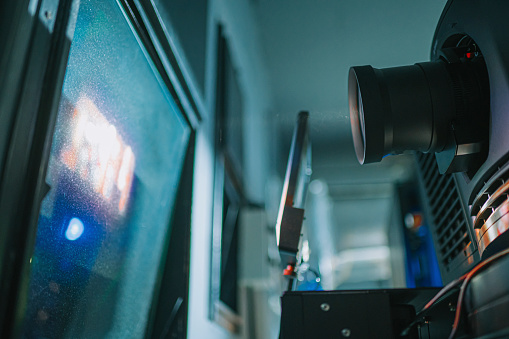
column 402, row 108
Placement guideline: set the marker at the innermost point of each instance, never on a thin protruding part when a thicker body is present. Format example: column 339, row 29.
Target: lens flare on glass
column 74, row 229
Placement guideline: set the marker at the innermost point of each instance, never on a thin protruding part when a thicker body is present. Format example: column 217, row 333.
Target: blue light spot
column 75, row 229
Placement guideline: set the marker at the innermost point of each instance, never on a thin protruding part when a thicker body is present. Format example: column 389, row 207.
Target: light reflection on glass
column 74, row 229
column 99, row 155
column 124, row 177
column 115, row 163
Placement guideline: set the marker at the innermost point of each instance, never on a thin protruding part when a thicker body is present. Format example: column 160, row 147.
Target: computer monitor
column 291, row 208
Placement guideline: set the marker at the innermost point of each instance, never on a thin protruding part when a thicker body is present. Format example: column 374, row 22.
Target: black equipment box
column 364, row 314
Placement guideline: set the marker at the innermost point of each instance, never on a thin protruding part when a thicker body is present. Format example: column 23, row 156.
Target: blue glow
column 75, row 229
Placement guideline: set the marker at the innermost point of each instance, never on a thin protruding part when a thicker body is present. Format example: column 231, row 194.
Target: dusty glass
column 114, row 168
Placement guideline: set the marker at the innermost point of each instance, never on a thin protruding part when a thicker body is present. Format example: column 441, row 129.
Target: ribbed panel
column 498, row 180
column 449, row 222
column 490, row 209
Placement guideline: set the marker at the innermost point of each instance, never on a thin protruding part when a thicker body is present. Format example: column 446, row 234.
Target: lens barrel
column 402, row 108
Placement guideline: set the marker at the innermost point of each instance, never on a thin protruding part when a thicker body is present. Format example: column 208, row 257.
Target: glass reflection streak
column 74, row 229
column 98, row 154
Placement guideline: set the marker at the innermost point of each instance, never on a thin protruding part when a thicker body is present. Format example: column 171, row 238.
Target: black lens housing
column 414, row 107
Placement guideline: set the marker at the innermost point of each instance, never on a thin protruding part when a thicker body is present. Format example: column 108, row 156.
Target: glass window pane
column 114, row 169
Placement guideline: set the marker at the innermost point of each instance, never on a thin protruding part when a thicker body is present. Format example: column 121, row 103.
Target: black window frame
column 228, row 197
column 38, row 43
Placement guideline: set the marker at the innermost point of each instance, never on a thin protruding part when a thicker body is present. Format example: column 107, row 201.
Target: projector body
column 453, row 110
column 482, row 192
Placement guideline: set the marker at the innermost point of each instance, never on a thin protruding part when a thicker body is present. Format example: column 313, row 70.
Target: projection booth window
column 115, row 164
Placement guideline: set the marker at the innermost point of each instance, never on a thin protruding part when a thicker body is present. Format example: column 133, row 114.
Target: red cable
column 467, row 278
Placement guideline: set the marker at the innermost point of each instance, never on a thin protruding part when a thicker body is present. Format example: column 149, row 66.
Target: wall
column 241, row 32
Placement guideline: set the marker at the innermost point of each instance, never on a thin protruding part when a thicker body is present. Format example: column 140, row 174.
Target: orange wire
column 467, row 278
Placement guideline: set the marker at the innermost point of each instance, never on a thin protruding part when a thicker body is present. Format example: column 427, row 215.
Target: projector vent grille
column 449, row 221
column 490, row 211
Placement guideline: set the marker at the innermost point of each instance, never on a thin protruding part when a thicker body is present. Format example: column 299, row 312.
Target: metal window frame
column 32, row 115
column 227, row 184
column 34, row 57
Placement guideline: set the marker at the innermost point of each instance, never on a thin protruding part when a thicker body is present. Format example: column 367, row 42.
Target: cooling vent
column 490, row 210
column 448, row 219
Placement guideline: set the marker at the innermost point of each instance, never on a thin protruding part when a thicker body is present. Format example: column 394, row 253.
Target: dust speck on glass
column 114, row 169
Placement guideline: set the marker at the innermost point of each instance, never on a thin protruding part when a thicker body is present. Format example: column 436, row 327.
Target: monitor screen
column 291, row 208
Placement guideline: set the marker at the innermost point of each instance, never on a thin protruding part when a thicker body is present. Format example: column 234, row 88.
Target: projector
column 453, row 111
